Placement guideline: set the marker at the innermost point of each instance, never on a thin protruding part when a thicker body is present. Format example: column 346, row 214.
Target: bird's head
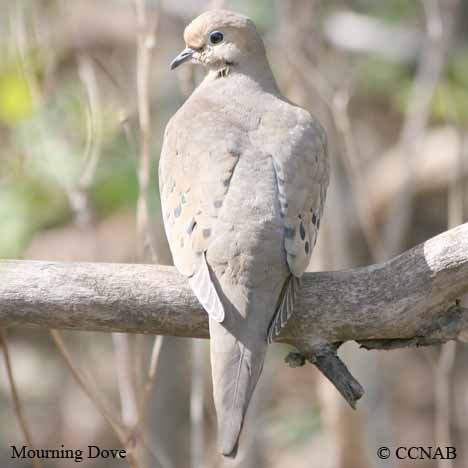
column 219, row 40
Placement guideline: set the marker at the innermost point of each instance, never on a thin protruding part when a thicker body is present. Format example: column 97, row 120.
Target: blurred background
column 85, row 93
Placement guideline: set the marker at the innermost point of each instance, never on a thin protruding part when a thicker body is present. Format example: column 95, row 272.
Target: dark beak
column 183, row 57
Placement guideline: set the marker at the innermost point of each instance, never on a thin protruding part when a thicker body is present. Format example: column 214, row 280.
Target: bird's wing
column 192, row 193
column 302, row 172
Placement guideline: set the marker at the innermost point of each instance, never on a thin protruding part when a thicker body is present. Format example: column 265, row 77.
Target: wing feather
column 204, row 289
column 302, row 176
column 192, row 190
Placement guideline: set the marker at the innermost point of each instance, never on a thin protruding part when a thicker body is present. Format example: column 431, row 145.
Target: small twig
column 443, row 399
column 339, row 109
column 138, row 414
column 157, row 452
column 78, row 193
column 125, row 115
column 83, row 382
column 125, row 379
column 138, row 364
column 17, row 405
column 196, row 405
column 127, row 391
column 92, row 153
column 145, row 45
column 325, row 358
column 151, row 378
column 136, row 433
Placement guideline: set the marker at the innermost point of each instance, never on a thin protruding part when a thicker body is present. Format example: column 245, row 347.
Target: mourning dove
column 243, row 177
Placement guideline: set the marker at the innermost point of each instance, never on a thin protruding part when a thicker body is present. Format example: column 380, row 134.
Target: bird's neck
column 254, row 71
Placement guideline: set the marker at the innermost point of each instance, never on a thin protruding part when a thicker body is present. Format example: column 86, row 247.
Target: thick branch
column 407, row 301
column 403, row 298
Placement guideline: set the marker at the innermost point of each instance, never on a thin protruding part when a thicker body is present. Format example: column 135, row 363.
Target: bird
column 243, row 176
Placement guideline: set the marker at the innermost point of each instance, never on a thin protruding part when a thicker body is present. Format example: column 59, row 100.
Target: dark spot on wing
column 206, row 233
column 302, row 231
column 306, row 247
column 191, row 226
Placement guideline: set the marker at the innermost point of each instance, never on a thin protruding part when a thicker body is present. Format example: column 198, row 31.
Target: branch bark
column 410, row 300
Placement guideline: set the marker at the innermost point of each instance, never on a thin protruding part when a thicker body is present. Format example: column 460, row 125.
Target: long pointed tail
column 236, row 368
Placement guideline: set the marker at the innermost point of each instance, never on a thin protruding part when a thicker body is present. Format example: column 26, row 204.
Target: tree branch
column 410, row 300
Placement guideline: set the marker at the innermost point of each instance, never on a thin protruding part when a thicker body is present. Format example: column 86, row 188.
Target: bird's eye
column 216, row 37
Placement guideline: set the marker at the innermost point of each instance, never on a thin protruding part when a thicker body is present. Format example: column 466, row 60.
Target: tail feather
column 236, row 370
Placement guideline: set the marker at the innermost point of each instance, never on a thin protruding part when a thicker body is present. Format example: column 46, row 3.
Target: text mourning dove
column 243, row 178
